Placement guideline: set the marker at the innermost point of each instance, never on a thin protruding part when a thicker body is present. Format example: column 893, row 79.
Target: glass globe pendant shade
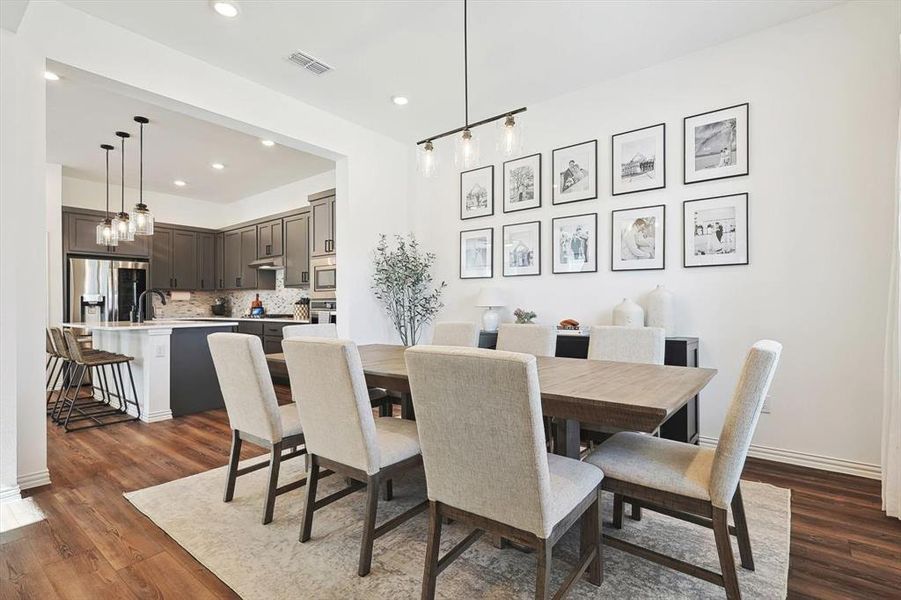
column 124, row 229
column 427, row 160
column 466, row 150
column 509, row 137
column 142, row 220
column 107, row 234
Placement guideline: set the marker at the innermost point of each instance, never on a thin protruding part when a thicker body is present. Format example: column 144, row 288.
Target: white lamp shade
column 490, row 296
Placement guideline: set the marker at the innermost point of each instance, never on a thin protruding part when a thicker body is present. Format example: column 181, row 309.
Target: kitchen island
column 173, row 369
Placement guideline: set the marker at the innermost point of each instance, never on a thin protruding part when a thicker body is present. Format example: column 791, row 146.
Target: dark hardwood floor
column 95, row 545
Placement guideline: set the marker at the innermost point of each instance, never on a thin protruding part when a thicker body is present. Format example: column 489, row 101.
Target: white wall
column 281, row 199
column 824, row 95
column 55, row 273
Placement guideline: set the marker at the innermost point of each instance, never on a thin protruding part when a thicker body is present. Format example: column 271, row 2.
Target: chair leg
column 724, row 549
column 306, row 525
column 543, row 576
column 372, row 504
column 233, row 459
column 430, row 573
column 592, row 539
column 389, row 490
column 741, row 530
column 275, row 461
column 84, row 369
column 618, row 511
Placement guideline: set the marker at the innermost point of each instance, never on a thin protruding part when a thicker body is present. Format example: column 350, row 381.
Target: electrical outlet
column 161, row 352
column 767, row 405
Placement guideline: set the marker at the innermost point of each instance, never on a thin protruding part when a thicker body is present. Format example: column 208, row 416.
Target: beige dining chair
column 456, row 333
column 329, row 388
column 506, row 485
column 254, row 414
column 537, row 340
column 691, row 483
column 627, row 344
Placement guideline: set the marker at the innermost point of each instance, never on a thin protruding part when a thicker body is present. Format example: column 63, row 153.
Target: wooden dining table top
column 633, row 396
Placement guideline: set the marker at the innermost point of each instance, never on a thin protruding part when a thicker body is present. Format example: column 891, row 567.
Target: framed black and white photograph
column 575, row 241
column 575, row 171
column 638, row 159
column 522, row 183
column 715, row 231
column 638, row 239
column 715, row 144
column 477, row 193
column 522, row 249
column 477, row 253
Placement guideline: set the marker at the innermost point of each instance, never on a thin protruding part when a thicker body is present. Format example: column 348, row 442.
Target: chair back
column 246, row 385
column 321, row 330
column 537, row 340
column 456, row 333
column 50, row 348
column 73, row 346
column 59, row 342
column 478, row 413
column 741, row 420
column 627, row 344
column 329, row 388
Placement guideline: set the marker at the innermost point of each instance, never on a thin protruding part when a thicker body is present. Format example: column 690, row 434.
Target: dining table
column 616, row 395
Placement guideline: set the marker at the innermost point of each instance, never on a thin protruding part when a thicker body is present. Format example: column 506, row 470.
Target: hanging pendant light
column 106, row 233
column 141, row 217
column 124, row 227
column 509, row 137
column 427, row 160
column 466, row 150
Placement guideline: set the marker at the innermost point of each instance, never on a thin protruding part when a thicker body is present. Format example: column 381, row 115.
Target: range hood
column 272, row 263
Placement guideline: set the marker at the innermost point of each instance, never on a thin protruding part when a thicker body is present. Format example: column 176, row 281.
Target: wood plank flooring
column 94, row 544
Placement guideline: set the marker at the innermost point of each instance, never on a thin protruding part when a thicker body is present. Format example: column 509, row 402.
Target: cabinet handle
column 268, row 249
column 305, row 277
column 170, row 282
column 201, row 283
column 238, row 281
column 176, row 283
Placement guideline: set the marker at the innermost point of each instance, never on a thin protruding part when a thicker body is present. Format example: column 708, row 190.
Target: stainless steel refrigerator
column 104, row 290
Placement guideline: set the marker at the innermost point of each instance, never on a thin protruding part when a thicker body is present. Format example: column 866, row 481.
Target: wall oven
column 323, row 277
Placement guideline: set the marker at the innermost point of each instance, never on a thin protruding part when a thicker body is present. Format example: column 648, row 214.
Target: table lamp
column 490, row 298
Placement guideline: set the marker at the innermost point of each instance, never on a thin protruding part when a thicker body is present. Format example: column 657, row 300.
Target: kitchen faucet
column 139, row 318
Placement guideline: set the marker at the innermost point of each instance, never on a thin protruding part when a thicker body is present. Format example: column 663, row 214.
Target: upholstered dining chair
column 692, row 483
column 329, row 389
column 456, row 333
column 627, row 344
column 507, row 485
column 537, row 340
column 254, row 414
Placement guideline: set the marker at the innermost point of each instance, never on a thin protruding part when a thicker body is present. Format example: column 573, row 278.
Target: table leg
column 566, row 437
column 406, row 407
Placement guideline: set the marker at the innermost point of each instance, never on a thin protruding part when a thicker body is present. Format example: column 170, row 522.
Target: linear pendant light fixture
column 466, row 149
column 122, row 223
column 106, row 233
column 141, row 217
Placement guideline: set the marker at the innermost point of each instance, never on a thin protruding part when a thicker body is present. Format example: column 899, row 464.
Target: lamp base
column 490, row 320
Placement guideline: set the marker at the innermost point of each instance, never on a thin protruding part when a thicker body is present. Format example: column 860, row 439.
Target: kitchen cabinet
column 161, row 258
column 231, row 258
column 173, row 261
column 80, row 236
column 251, row 328
column 206, row 262
column 322, row 225
column 240, row 249
column 272, row 337
column 248, row 255
column 269, row 239
column 297, row 251
column 220, row 261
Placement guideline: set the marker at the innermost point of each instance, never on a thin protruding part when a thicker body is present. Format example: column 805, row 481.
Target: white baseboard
column 160, row 415
column 35, row 479
column 10, row 494
column 804, row 459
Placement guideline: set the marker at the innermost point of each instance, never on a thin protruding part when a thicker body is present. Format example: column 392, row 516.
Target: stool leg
column 61, row 399
column 134, row 390
column 59, row 371
column 83, row 370
column 120, row 387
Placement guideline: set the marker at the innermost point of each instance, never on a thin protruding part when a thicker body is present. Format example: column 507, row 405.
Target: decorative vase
column 661, row 310
column 628, row 314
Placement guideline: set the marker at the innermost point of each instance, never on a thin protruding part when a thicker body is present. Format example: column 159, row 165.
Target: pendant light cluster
column 124, row 226
column 466, row 148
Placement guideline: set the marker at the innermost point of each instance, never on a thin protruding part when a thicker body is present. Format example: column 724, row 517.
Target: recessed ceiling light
column 180, row 183
column 226, row 9
column 218, row 166
column 267, row 143
column 51, row 76
column 400, row 100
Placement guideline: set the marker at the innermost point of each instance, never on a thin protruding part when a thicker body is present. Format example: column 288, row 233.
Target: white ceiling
column 83, row 112
column 520, row 52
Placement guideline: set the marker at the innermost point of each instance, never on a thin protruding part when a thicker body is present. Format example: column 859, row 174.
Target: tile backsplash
column 279, row 301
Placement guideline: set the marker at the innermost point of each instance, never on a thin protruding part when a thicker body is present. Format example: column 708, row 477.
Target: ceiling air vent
column 311, row 64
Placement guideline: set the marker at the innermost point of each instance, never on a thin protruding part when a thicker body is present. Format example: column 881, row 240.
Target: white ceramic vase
column 628, row 314
column 661, row 310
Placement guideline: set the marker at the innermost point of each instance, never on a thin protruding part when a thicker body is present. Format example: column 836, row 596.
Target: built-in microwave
column 324, row 277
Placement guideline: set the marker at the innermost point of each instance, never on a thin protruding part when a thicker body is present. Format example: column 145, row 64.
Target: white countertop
column 264, row 319
column 153, row 324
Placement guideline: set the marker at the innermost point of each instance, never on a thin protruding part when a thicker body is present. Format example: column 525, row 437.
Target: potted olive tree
column 402, row 281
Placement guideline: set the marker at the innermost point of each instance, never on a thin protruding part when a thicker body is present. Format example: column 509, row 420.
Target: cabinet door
column 232, row 259
column 206, row 261
column 248, row 255
column 297, row 251
column 184, row 260
column 320, row 221
column 269, row 239
column 161, row 258
column 331, row 225
column 277, row 232
column 220, row 261
column 139, row 247
column 81, row 234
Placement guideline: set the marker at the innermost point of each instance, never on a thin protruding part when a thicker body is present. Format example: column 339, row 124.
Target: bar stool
column 54, row 365
column 66, row 372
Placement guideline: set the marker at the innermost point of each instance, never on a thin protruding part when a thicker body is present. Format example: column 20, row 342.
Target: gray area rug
column 268, row 562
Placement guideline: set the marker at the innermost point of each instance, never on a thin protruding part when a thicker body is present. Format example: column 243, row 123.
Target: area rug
column 259, row 561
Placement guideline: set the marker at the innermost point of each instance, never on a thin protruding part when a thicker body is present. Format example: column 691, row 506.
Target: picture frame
column 715, row 144
column 477, row 193
column 638, row 160
column 522, row 183
column 575, row 240
column 575, row 172
column 715, row 231
column 521, row 250
column 638, row 238
column 477, row 253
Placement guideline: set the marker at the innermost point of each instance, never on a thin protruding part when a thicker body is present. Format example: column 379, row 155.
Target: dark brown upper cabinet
column 270, row 239
column 322, row 223
column 174, row 259
column 80, row 236
column 206, row 262
column 297, row 251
